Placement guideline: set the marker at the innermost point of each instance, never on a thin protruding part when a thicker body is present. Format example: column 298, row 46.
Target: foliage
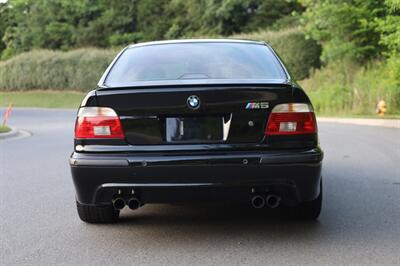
column 389, row 27
column 5, row 21
column 42, row 69
column 353, row 32
column 346, row 28
column 344, row 87
column 67, row 24
column 3, row 24
column 273, row 14
column 38, row 23
column 299, row 53
column 226, row 17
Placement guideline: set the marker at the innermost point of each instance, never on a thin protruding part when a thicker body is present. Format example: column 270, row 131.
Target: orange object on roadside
column 381, row 108
column 7, row 115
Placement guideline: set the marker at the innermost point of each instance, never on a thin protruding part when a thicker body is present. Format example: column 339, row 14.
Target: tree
column 67, row 24
column 47, row 24
column 109, row 23
column 389, row 27
column 346, row 28
column 267, row 13
column 4, row 22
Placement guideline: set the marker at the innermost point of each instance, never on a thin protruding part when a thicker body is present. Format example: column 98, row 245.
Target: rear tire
column 310, row 210
column 97, row 214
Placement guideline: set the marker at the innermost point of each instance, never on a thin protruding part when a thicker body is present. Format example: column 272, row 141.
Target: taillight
column 291, row 119
column 98, row 122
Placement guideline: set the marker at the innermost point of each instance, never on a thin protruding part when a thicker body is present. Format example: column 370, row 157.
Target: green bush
column 44, row 69
column 299, row 53
column 343, row 88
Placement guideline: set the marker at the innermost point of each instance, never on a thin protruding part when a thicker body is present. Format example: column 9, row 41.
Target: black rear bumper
column 162, row 178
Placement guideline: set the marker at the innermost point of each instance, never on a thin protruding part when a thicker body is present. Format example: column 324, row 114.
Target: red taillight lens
column 98, row 122
column 291, row 119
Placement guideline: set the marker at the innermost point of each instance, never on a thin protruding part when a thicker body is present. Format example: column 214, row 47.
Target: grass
column 44, row 99
column 4, row 129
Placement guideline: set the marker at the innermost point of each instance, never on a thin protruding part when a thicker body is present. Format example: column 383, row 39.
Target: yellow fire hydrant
column 381, row 108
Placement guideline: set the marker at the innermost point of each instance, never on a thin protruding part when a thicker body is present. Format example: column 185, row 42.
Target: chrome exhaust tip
column 257, row 202
column 272, row 201
column 118, row 203
column 133, row 203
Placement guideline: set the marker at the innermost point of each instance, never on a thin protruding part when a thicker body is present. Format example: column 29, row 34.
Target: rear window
column 180, row 61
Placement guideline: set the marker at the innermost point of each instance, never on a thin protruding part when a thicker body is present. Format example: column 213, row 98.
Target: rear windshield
column 181, row 61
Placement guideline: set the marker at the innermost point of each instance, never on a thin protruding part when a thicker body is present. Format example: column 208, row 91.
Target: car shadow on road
column 208, row 212
column 205, row 220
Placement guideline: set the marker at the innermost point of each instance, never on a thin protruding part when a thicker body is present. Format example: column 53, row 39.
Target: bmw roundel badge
column 193, row 102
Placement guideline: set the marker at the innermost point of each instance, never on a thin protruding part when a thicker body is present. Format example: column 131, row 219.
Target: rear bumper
column 158, row 178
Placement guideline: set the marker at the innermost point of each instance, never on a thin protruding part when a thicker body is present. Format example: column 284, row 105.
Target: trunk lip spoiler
column 200, row 83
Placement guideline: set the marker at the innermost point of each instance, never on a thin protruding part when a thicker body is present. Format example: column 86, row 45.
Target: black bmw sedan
column 196, row 120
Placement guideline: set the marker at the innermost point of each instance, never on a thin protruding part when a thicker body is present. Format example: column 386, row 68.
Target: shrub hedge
column 78, row 69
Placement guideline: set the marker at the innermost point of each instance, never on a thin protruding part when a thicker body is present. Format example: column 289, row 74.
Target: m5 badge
column 257, row 105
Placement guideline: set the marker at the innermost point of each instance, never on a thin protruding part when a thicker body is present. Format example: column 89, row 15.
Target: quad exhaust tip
column 272, row 201
column 118, row 203
column 133, row 203
column 257, row 202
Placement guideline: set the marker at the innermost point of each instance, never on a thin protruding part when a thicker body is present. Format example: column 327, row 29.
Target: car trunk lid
column 225, row 114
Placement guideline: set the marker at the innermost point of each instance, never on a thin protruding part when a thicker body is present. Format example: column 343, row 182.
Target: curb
column 13, row 133
column 391, row 123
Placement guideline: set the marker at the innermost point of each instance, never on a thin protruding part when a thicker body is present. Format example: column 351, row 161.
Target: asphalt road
column 360, row 221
